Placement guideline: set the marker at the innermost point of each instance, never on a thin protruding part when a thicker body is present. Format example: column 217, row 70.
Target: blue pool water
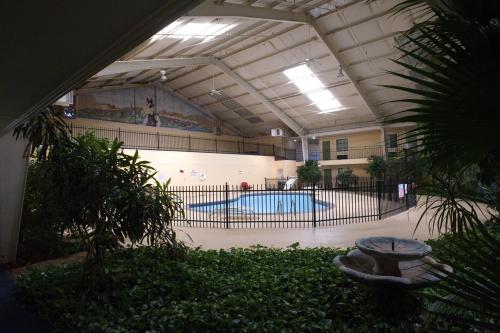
column 270, row 203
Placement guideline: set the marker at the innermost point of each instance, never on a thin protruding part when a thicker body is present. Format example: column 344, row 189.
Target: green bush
column 40, row 226
column 88, row 187
column 251, row 290
column 377, row 167
column 310, row 172
column 346, row 179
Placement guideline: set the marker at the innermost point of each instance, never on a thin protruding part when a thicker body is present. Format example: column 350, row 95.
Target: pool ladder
column 281, row 206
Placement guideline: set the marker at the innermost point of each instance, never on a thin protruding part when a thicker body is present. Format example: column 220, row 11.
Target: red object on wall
column 245, row 186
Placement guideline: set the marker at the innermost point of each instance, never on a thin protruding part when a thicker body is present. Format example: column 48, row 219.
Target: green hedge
column 252, row 290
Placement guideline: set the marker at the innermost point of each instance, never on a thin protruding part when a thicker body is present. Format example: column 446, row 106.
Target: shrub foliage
column 90, row 188
column 251, row 290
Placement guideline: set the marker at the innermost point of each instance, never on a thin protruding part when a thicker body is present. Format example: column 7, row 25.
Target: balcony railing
column 351, row 153
column 158, row 141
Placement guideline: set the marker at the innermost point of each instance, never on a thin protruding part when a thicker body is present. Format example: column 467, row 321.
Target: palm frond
column 470, row 296
column 42, row 131
column 455, row 61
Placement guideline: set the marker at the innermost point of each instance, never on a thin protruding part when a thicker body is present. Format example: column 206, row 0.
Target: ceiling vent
column 276, row 132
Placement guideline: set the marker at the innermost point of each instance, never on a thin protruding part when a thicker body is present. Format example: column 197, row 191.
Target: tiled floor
column 401, row 225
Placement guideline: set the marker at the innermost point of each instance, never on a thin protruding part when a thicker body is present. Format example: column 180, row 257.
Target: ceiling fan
column 214, row 92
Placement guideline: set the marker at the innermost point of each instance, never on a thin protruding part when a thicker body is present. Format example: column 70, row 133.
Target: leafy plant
column 42, row 131
column 309, row 172
column 89, row 187
column 238, row 290
column 471, row 300
column 40, row 226
column 346, row 178
column 453, row 57
column 377, row 167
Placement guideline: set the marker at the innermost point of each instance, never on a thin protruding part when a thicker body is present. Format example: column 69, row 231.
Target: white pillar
column 13, row 169
column 305, row 148
column 382, row 135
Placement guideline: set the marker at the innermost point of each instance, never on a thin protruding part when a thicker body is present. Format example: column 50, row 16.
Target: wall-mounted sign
column 402, row 190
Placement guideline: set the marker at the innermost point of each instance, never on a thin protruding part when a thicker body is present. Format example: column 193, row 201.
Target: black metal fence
column 158, row 141
column 226, row 206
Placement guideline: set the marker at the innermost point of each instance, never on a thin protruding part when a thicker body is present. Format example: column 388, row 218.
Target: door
column 326, row 151
column 327, row 177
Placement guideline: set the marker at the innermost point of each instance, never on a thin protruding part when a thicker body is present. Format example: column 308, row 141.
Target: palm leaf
column 472, row 292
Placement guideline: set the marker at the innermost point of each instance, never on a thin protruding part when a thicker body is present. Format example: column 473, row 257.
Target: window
column 392, row 140
column 343, row 171
column 309, row 84
column 342, row 145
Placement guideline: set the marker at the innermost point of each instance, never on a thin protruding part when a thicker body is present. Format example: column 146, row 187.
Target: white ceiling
column 360, row 33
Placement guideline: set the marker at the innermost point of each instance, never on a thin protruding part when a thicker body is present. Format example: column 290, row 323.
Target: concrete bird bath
column 392, row 262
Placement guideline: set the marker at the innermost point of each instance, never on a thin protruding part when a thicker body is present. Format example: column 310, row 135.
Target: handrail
column 169, row 142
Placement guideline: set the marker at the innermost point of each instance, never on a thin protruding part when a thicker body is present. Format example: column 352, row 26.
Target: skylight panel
column 298, row 72
column 320, row 96
column 309, row 84
column 329, row 104
column 206, row 31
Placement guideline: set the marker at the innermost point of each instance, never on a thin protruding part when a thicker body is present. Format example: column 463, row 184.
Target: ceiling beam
column 215, row 9
column 346, row 69
column 120, row 67
column 261, row 98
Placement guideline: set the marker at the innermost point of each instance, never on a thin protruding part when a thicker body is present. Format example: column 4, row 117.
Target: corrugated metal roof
column 362, row 33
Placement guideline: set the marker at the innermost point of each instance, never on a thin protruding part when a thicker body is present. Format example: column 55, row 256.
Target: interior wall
column 13, row 168
column 195, row 169
column 362, row 139
column 144, row 105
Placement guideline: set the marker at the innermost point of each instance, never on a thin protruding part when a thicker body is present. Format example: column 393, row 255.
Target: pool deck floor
column 400, row 225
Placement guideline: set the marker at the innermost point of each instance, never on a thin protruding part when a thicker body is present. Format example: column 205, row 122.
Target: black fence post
column 227, row 206
column 274, row 152
column 119, row 134
column 189, row 143
column 314, row 204
column 216, row 145
column 157, row 141
column 379, row 198
column 407, row 180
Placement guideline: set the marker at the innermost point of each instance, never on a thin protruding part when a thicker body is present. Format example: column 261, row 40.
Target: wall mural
column 150, row 106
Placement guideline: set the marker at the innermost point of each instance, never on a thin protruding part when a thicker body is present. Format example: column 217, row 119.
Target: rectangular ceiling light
column 309, row 84
column 206, row 31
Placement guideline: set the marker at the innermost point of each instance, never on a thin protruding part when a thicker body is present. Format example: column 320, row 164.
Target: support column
column 13, row 170
column 305, row 148
column 382, row 135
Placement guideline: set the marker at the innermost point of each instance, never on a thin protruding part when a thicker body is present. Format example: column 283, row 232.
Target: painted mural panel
column 150, row 106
